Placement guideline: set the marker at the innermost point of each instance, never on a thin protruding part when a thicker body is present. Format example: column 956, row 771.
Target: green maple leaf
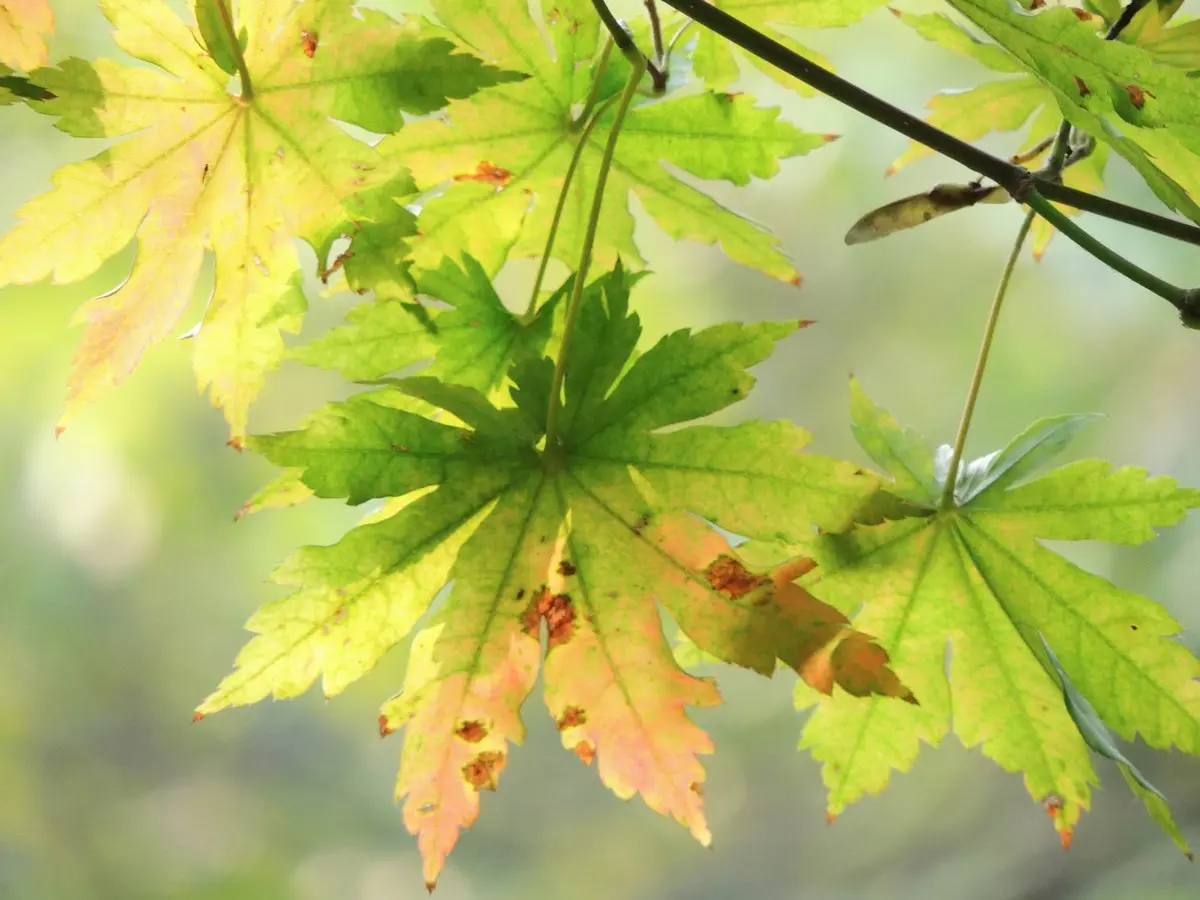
column 24, row 26
column 508, row 149
column 716, row 59
column 202, row 169
column 976, row 582
column 1120, row 94
column 586, row 536
column 475, row 341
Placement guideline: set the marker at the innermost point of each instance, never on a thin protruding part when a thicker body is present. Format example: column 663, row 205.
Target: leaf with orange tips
column 576, row 539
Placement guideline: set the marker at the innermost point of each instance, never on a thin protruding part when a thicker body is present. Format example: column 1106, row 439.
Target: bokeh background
column 124, row 581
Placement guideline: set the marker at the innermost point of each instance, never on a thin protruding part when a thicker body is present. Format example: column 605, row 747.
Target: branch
column 1013, row 178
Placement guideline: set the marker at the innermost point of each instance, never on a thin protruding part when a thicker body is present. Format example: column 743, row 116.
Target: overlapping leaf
column 1120, row 94
column 508, row 149
column 585, row 536
column 1004, row 105
column 202, row 169
column 962, row 599
column 475, row 341
column 24, row 26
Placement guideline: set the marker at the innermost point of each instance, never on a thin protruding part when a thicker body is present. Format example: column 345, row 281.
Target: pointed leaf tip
column 197, row 716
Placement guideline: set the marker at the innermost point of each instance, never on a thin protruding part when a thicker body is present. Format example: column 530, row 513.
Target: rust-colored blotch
column 1084, row 90
column 585, row 751
column 560, row 617
column 484, row 770
column 728, row 576
column 472, row 731
column 572, row 717
column 487, row 172
column 384, row 728
column 308, row 41
column 566, row 568
column 1137, row 95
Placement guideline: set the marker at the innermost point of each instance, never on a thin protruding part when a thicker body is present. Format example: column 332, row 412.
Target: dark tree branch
column 1013, row 178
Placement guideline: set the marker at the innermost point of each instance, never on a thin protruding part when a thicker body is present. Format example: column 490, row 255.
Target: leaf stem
column 1012, row 177
column 561, row 205
column 235, row 47
column 639, row 66
column 985, row 348
column 594, row 91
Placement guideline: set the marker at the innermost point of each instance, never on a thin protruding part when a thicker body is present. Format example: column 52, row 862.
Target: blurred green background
column 125, row 580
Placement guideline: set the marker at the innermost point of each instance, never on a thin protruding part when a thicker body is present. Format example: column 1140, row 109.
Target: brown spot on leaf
column 520, row 593
column 572, row 717
column 197, row 716
column 1137, row 95
column 795, row 280
column 400, row 448
column 235, row 443
column 1082, row 87
column 641, row 523
column 566, row 569
column 729, row 577
column 1037, row 4
column 1081, row 14
column 804, row 323
column 308, row 41
column 487, row 172
column 483, row 771
column 560, row 618
column 696, row 788
column 384, row 728
column 585, row 751
column 472, row 731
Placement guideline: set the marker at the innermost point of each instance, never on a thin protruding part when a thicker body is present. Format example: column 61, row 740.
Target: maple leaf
column 716, row 60
column 508, row 149
column 586, row 537
column 24, row 27
column 475, row 341
column 1116, row 92
column 974, row 585
column 203, row 169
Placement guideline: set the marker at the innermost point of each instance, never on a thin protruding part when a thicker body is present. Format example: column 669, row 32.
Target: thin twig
column 656, row 34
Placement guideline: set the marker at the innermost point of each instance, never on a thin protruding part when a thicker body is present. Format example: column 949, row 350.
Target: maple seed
column 729, row 577
column 308, row 40
column 472, row 732
column 483, row 771
column 566, row 569
column 572, row 717
column 384, row 728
